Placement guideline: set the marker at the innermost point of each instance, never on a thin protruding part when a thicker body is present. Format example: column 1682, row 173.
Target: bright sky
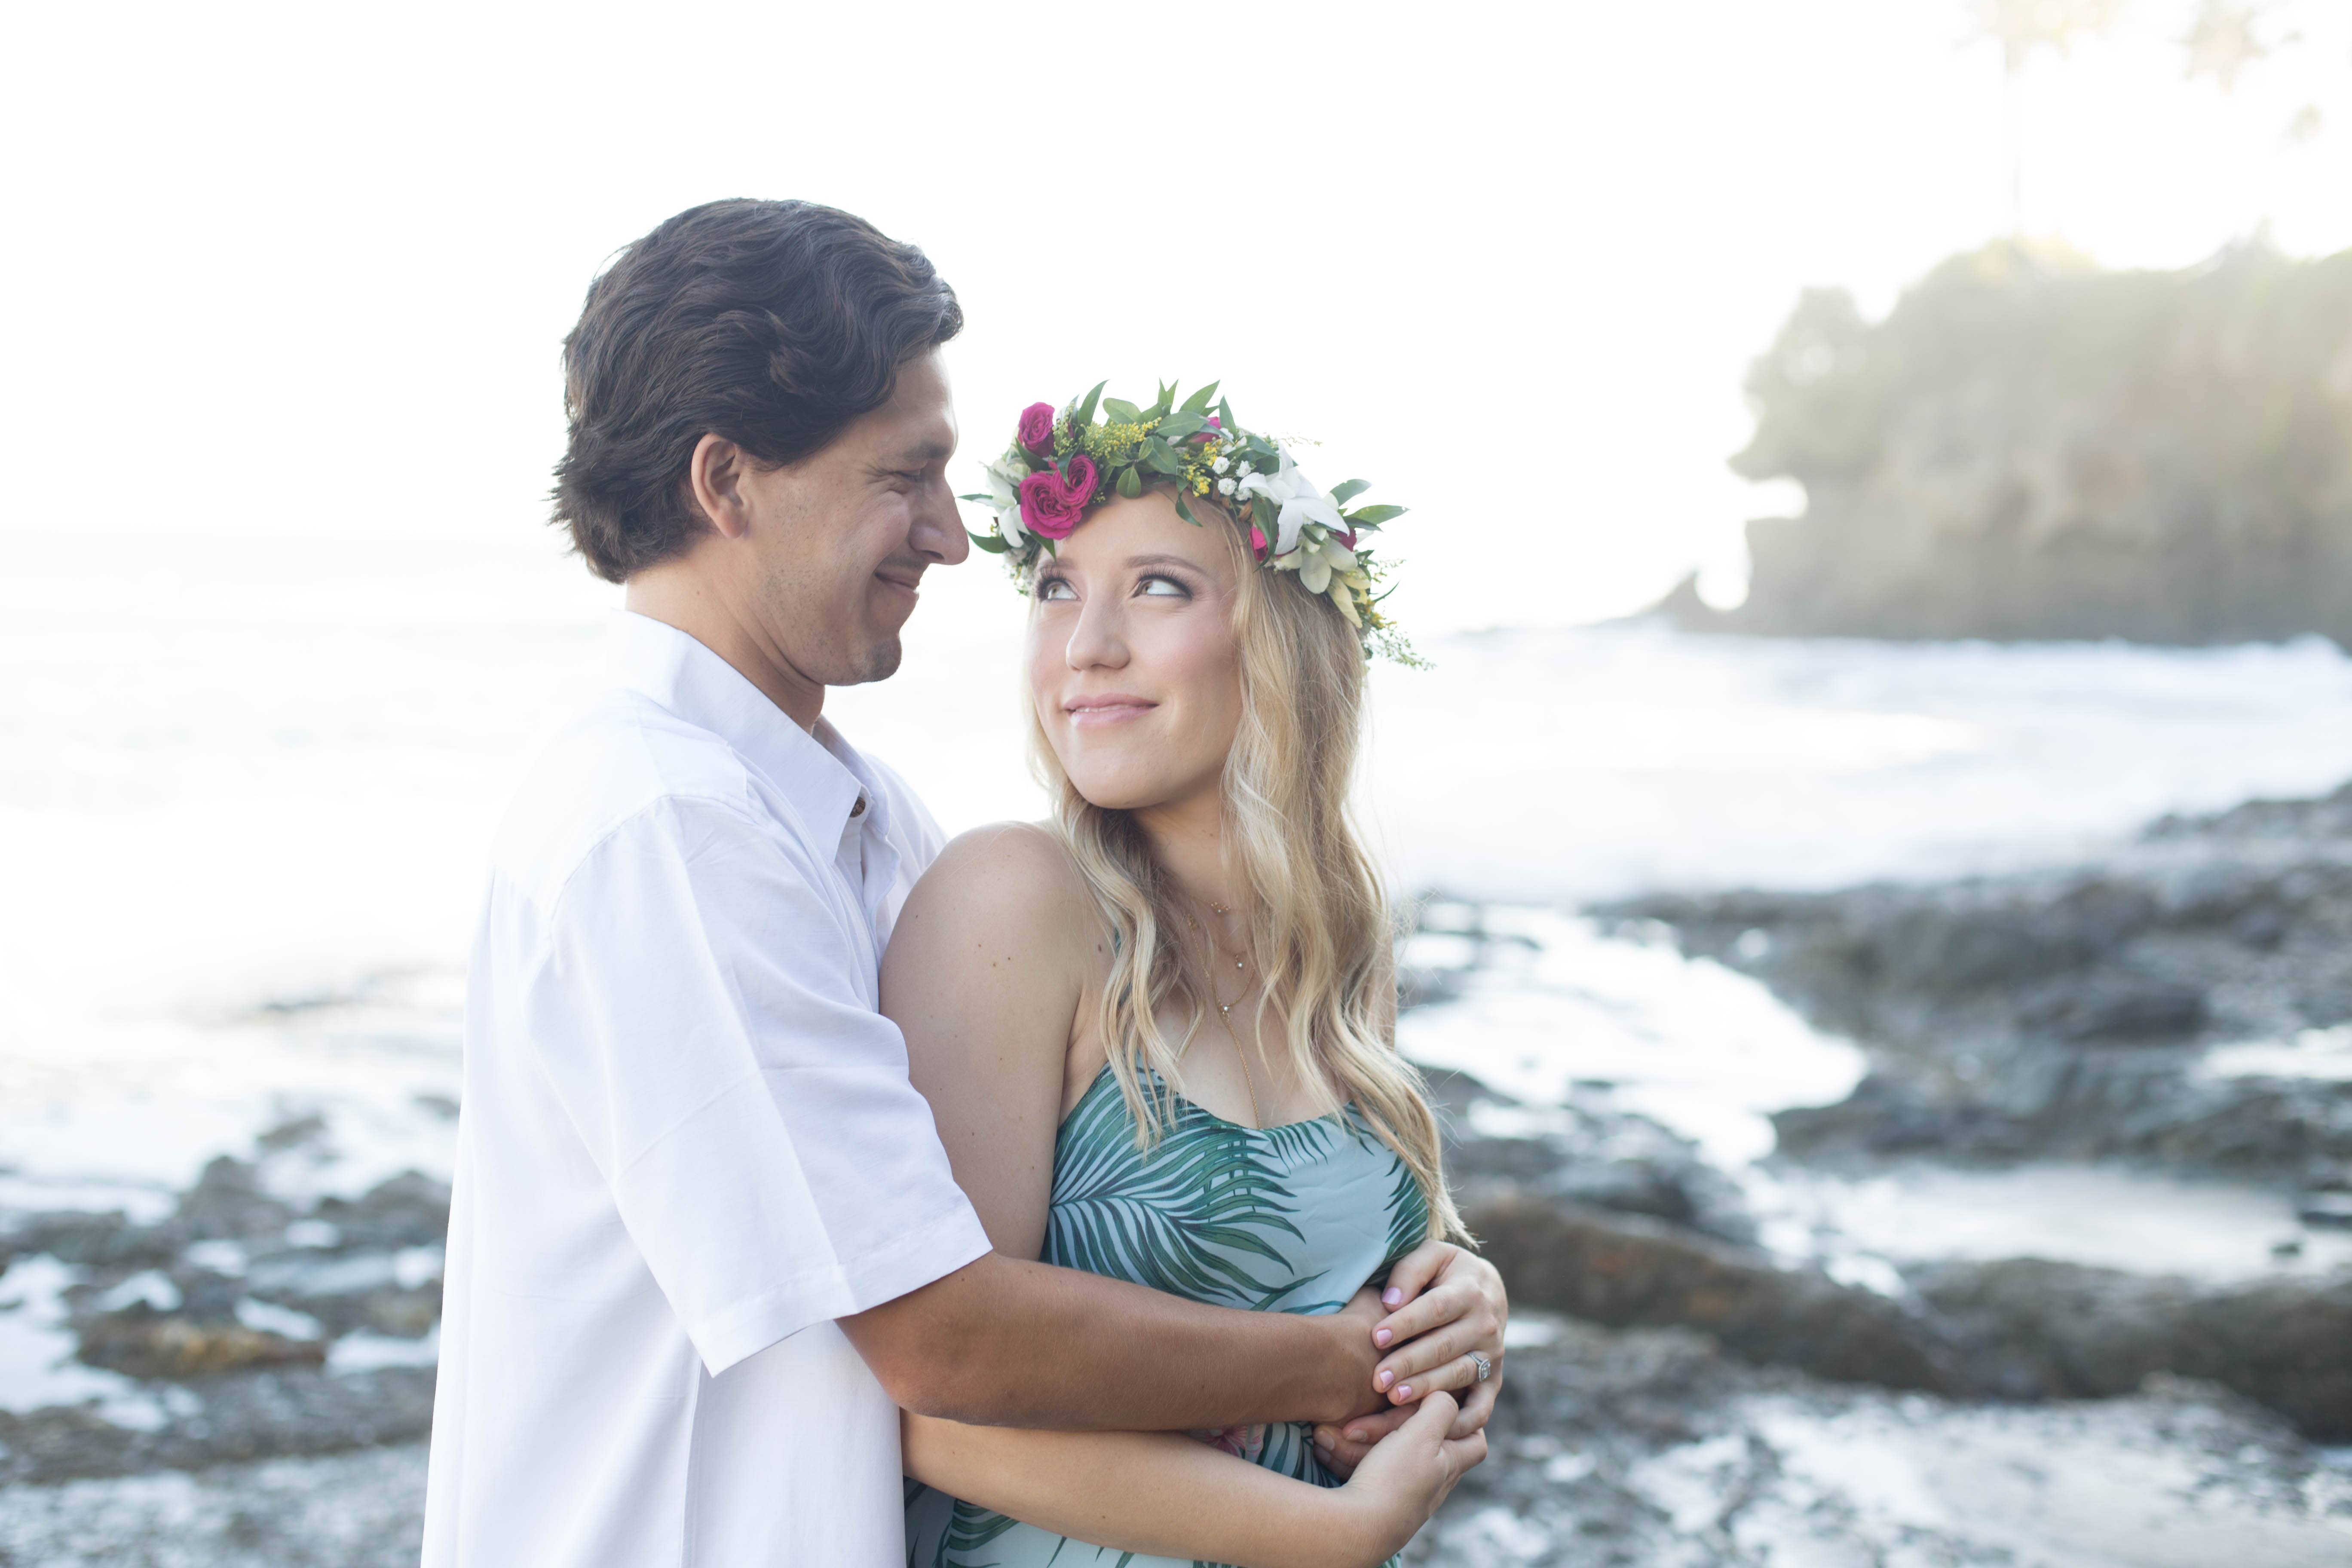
column 299, row 269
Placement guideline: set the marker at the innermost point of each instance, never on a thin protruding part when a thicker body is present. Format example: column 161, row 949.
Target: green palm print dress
column 1280, row 1219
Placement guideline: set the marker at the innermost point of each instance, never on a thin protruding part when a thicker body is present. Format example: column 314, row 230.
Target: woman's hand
column 1445, row 1304
column 1400, row 1484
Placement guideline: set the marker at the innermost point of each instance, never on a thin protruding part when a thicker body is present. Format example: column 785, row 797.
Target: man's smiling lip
column 1110, row 708
column 911, row 581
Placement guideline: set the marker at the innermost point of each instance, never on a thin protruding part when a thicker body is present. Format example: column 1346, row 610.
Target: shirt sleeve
column 705, row 1015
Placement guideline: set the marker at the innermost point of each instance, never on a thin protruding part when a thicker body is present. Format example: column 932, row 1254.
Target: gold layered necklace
column 1225, row 1009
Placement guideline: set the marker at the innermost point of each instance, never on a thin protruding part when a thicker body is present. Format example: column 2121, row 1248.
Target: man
column 704, row 1241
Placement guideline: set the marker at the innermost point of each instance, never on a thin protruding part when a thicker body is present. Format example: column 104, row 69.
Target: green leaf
column 1178, row 426
column 1205, row 1215
column 984, row 500
column 989, row 542
column 1121, row 411
column 1345, row 493
column 1185, row 512
column 1225, row 415
column 1159, row 459
column 1199, row 402
column 1130, row 483
column 1085, row 414
column 1165, row 404
column 1373, row 516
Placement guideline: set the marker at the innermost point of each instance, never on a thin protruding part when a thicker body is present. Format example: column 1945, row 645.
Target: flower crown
column 1062, row 465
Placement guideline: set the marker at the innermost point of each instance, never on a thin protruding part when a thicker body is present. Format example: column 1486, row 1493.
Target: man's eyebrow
column 921, row 457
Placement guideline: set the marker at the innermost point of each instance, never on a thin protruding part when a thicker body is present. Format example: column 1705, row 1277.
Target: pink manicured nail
column 1322, row 1439
column 1405, row 1393
column 1382, row 1337
column 1391, row 1295
column 1386, row 1378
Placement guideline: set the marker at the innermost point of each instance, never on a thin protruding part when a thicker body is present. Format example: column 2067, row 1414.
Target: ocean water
column 245, row 790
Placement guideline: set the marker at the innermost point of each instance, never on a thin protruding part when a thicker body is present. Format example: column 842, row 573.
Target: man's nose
column 937, row 532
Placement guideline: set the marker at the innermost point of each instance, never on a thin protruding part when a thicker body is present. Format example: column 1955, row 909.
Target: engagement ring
column 1486, row 1367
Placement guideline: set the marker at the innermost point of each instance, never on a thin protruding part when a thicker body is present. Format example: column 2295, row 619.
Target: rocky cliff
column 2028, row 447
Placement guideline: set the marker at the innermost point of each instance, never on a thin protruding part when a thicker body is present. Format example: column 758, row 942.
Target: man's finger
column 1370, row 1429
column 1413, row 1272
column 1344, row 1447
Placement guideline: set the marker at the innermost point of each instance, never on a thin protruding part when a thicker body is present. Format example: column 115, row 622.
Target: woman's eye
column 1055, row 588
column 1163, row 585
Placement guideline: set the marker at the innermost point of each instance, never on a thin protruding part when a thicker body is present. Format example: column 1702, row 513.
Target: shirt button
column 859, row 809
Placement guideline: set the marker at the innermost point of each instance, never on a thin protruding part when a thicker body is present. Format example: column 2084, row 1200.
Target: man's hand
column 1359, row 1324
column 1445, row 1304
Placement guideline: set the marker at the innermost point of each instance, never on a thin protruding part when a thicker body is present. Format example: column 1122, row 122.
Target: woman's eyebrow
column 1140, row 561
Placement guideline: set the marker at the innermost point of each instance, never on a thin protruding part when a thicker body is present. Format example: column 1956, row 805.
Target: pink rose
column 1257, row 539
column 1037, row 428
column 1051, row 505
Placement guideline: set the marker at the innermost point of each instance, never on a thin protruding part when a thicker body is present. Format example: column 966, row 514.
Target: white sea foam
column 2322, row 1053
column 1702, row 1048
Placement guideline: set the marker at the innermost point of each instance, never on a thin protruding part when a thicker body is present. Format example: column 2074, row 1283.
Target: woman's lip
column 1096, row 711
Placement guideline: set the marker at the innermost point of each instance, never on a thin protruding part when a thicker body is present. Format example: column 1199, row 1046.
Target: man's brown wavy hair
column 773, row 324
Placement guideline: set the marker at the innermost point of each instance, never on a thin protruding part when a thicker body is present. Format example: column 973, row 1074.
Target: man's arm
column 1003, row 1342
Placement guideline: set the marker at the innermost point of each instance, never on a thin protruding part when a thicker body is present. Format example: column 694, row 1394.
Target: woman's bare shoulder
column 1010, row 882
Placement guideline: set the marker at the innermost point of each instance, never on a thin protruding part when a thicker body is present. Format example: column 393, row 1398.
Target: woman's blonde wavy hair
column 1319, row 925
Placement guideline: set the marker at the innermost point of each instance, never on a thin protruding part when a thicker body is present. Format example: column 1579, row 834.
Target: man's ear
column 715, row 475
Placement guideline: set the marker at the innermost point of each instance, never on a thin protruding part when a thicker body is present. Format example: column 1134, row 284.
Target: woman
column 1158, row 1033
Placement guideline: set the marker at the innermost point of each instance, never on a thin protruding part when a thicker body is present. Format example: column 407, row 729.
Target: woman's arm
column 1163, row 1495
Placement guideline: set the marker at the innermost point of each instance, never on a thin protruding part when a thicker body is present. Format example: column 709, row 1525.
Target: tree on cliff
column 2030, row 447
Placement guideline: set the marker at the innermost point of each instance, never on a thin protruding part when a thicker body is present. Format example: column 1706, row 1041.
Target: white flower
column 1004, row 476
column 1301, row 502
column 1220, row 465
column 1225, row 485
column 1320, row 562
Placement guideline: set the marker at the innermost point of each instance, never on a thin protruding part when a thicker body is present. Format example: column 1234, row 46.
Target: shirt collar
column 821, row 774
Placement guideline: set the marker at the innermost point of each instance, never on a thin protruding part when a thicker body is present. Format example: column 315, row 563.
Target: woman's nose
column 1098, row 641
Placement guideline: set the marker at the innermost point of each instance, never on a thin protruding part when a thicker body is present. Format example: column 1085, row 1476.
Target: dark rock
column 2328, row 1210
column 1623, row 1271
column 142, row 1343
column 2030, row 1328
column 408, row 1210
column 1589, row 1154
column 2157, row 1011
column 228, row 1201
column 237, row 1415
column 103, row 1240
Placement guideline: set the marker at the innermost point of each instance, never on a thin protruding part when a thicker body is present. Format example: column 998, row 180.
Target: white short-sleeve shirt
column 687, row 1144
